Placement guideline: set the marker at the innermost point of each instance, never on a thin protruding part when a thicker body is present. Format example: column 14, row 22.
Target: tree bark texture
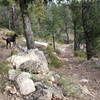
column 86, row 18
column 26, row 24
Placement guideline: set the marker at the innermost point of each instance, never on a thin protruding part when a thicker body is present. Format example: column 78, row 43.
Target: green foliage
column 70, row 86
column 4, row 20
column 34, row 77
column 80, row 54
column 4, row 2
column 47, row 79
column 49, row 49
column 97, row 45
column 3, row 68
column 18, row 71
column 54, row 61
column 91, row 20
column 48, row 18
column 10, row 33
column 20, row 36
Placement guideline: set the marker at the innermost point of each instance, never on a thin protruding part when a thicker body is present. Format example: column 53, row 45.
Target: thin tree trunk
column 67, row 35
column 26, row 24
column 76, row 46
column 53, row 38
column 66, row 27
column 86, row 25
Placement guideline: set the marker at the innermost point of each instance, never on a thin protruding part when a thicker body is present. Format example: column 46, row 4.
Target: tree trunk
column 86, row 18
column 53, row 38
column 26, row 24
column 67, row 35
column 76, row 44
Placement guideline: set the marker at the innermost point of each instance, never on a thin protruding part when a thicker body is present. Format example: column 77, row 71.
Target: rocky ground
column 79, row 80
column 85, row 73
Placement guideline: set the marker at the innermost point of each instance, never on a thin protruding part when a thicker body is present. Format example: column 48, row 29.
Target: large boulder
column 33, row 60
column 25, row 84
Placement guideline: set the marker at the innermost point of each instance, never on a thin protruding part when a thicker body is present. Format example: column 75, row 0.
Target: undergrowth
column 70, row 86
column 4, row 68
column 81, row 56
column 52, row 59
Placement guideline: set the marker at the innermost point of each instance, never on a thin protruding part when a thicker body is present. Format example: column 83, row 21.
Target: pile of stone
column 31, row 77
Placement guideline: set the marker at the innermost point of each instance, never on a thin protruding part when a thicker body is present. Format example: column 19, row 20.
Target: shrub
column 81, row 59
column 53, row 60
column 18, row 71
column 80, row 54
column 20, row 36
column 10, row 33
column 34, row 77
column 70, row 86
column 49, row 49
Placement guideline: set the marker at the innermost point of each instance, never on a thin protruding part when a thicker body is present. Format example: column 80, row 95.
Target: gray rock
column 44, row 92
column 32, row 59
column 12, row 74
column 24, row 75
column 25, row 84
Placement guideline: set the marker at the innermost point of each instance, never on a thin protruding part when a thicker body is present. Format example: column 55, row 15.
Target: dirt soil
column 72, row 66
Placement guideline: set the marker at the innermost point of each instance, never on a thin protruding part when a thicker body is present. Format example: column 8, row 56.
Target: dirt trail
column 73, row 66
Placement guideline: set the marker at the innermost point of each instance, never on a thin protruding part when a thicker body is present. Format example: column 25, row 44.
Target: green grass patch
column 49, row 49
column 3, row 68
column 34, row 77
column 20, row 36
column 54, row 61
column 70, row 86
column 10, row 33
column 80, row 54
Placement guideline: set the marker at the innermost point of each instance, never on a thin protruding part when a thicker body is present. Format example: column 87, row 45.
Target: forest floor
column 72, row 67
column 75, row 69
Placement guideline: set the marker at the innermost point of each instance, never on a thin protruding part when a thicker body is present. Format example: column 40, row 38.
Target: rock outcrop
column 32, row 59
column 32, row 78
